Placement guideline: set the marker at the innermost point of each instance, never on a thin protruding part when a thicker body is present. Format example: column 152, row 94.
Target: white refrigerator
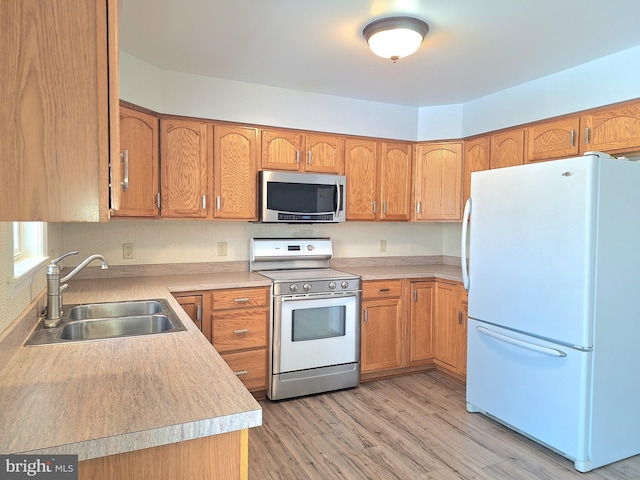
column 554, row 304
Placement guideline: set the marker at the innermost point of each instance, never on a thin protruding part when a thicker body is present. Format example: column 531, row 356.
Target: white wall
column 610, row 79
column 176, row 241
column 219, row 99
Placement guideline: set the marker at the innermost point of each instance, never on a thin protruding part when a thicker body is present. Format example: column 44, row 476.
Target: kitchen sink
column 115, row 309
column 97, row 328
column 101, row 321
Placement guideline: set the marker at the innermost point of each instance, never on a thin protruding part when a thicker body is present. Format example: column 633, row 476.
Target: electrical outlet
column 383, row 245
column 222, row 249
column 128, row 251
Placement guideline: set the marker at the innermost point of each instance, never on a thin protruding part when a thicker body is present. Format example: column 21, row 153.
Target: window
column 29, row 246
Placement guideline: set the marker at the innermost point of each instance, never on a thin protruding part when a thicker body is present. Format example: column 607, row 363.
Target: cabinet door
column 507, row 149
column 360, row 169
column 381, row 342
column 438, row 181
column 612, row 130
column 476, row 158
column 282, row 150
column 136, row 178
column 192, row 305
column 463, row 323
column 59, row 103
column 449, row 327
column 554, row 139
column 325, row 154
column 395, row 181
column 420, row 341
column 185, row 169
column 235, row 172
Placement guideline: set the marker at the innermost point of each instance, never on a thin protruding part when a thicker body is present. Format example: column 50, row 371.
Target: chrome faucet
column 54, row 289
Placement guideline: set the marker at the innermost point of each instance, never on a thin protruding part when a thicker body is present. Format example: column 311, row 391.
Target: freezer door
column 538, row 388
column 530, row 248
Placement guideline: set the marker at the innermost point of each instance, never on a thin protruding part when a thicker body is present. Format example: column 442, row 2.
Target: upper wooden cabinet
column 135, row 177
column 378, row 179
column 59, row 114
column 507, row 149
column 235, row 159
column 438, row 181
column 395, row 181
column 361, row 163
column 325, row 153
column 555, row 139
column 299, row 151
column 612, row 129
column 185, row 169
column 476, row 158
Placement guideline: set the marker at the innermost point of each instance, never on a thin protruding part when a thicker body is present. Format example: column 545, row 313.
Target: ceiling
column 474, row 47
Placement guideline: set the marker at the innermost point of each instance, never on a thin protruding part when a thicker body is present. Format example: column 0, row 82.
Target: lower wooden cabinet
column 413, row 325
column 240, row 331
column 381, row 326
column 192, row 303
column 450, row 332
column 420, row 329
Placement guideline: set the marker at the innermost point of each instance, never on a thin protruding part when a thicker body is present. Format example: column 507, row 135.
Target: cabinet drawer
column 250, row 367
column 382, row 289
column 240, row 329
column 239, row 298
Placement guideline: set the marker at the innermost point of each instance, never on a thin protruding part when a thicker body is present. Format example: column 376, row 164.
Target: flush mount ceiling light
column 395, row 37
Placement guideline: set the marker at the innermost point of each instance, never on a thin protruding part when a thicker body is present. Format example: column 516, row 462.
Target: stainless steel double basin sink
column 99, row 321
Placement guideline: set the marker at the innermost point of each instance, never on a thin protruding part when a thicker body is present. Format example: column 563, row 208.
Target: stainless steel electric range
column 315, row 317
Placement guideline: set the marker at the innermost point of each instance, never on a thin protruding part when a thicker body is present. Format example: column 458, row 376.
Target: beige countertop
column 105, row 397
column 386, row 272
column 111, row 396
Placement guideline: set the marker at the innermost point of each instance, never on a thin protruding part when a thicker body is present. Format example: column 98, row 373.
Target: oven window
column 317, row 323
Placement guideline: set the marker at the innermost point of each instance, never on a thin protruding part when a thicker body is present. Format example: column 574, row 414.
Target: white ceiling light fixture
column 395, row 37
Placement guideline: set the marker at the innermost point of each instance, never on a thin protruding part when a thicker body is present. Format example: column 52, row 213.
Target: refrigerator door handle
column 463, row 244
column 521, row 343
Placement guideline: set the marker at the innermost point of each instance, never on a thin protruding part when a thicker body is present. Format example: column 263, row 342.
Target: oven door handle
column 302, row 297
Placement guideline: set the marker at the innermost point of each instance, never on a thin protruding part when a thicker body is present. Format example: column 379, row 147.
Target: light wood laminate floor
column 412, row 427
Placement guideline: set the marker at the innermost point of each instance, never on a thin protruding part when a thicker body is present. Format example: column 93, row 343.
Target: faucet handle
column 56, row 260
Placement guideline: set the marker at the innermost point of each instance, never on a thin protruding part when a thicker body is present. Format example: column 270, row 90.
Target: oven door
column 315, row 331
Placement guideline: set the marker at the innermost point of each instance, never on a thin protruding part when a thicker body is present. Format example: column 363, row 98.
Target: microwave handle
column 338, row 198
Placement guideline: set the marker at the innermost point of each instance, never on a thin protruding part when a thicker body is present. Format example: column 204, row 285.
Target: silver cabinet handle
column 204, row 202
column 125, row 168
column 374, row 206
column 241, row 300
column 366, row 316
column 297, row 156
column 218, row 202
column 241, row 373
column 241, row 331
column 419, row 207
column 587, row 135
column 199, row 312
column 309, row 157
column 383, row 290
column 573, row 138
column 415, row 296
column 384, row 207
column 158, row 199
column 460, row 318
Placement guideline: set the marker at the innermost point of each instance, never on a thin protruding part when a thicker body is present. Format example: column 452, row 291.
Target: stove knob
column 307, row 287
column 344, row 284
column 309, row 247
column 332, row 285
column 293, row 287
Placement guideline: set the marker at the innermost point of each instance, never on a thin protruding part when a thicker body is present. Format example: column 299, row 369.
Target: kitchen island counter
column 105, row 397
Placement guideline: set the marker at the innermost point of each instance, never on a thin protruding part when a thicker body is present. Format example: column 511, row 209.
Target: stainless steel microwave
column 292, row 197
